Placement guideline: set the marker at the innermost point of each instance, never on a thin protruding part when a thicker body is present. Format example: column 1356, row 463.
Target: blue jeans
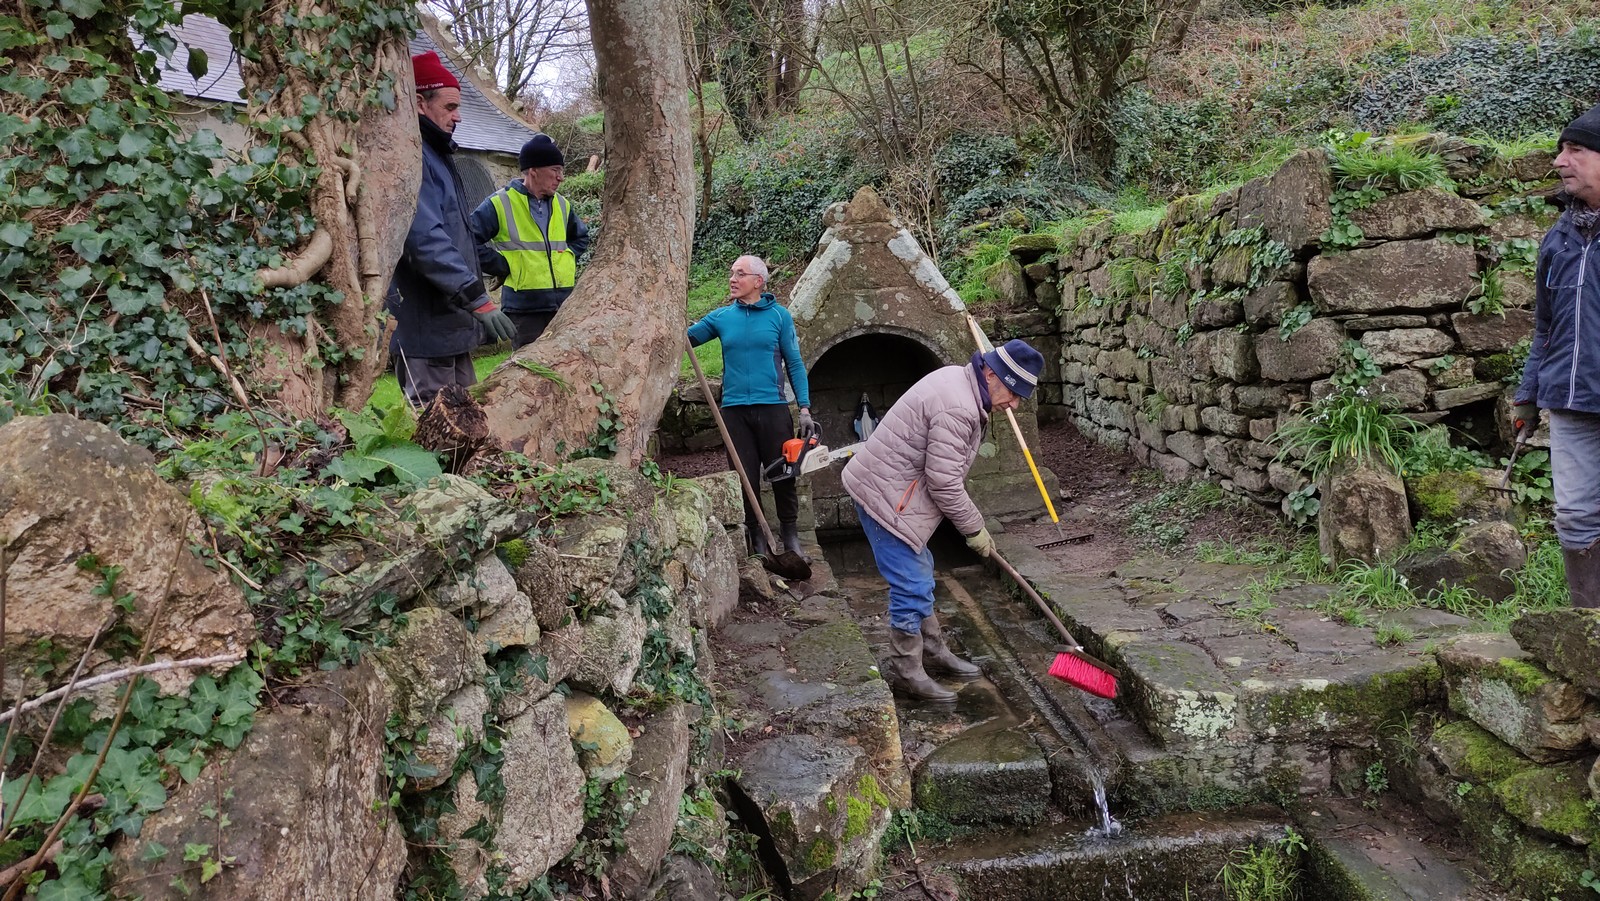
column 909, row 574
column 1575, row 465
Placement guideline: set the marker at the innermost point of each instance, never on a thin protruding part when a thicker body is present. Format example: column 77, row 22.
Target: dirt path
column 1133, row 512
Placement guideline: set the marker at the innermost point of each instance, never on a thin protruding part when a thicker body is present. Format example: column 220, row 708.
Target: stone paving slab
column 1246, row 683
column 1360, row 854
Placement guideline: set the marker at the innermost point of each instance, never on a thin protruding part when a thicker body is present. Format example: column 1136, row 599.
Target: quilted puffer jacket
column 913, row 471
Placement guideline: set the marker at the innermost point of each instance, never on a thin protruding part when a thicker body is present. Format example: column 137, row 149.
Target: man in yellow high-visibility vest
column 530, row 237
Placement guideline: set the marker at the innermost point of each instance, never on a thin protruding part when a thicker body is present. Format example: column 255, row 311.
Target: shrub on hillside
column 1485, row 86
column 968, row 160
column 1172, row 147
column 770, row 194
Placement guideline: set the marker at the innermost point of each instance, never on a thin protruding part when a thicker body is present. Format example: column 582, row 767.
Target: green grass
column 1396, row 165
column 386, row 393
column 1138, row 221
column 708, row 289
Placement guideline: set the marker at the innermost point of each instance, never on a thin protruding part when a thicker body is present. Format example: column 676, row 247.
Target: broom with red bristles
column 1072, row 665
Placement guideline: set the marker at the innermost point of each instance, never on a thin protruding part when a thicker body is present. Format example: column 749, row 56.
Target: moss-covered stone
column 1471, row 753
column 1566, row 641
column 821, row 854
column 1494, row 683
column 858, row 818
column 1526, row 864
column 1356, row 706
column 1441, row 496
column 1523, row 676
column 1553, row 800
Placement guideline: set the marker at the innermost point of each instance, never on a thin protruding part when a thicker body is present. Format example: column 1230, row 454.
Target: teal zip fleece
column 758, row 345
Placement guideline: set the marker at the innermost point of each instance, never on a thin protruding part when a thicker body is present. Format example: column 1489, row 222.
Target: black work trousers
column 758, row 432
column 529, row 325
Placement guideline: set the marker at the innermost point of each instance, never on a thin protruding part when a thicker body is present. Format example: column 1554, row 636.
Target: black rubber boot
column 789, row 534
column 905, row 674
column 937, row 656
column 757, row 540
column 1583, row 575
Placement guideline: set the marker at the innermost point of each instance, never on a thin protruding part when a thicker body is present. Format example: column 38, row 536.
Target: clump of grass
column 1265, row 872
column 1351, row 423
column 1259, row 553
column 1542, row 581
column 1138, row 221
column 1391, row 635
column 1396, row 166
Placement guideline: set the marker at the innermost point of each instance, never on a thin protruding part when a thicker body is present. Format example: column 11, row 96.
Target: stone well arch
column 874, row 314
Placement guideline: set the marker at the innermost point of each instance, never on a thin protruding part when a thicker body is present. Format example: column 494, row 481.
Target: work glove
column 497, row 326
column 1525, row 420
column 808, row 428
column 982, row 542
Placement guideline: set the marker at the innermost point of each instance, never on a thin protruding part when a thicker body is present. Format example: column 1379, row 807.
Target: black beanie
column 541, row 151
column 1584, row 131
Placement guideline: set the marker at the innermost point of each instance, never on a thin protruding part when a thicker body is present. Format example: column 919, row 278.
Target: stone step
column 986, row 777
column 1363, row 855
column 1169, row 858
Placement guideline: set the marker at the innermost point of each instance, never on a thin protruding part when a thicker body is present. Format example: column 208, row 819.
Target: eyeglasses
column 737, row 273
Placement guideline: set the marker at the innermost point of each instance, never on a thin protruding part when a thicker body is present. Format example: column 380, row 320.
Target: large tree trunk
column 369, row 171
column 623, row 327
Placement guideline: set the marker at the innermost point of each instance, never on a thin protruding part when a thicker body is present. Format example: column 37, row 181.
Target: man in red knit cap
column 441, row 307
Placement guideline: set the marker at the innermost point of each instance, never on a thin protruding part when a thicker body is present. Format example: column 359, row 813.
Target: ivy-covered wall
column 1399, row 268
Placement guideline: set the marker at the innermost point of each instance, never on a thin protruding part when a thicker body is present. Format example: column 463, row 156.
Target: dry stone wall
column 524, row 673
column 1190, row 343
column 1511, row 765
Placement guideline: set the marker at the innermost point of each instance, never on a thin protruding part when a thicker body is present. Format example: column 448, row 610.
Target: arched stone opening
column 879, row 366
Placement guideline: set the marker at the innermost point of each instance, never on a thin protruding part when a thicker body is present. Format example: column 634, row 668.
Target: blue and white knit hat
column 1017, row 365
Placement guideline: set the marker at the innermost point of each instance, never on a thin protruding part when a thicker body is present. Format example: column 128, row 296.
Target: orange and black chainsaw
column 805, row 455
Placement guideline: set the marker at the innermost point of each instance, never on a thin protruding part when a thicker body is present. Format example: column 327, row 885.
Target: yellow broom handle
column 984, row 346
column 1037, row 480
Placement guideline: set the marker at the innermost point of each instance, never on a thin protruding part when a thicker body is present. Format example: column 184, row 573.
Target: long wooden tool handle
column 984, row 346
column 727, row 441
column 1044, row 608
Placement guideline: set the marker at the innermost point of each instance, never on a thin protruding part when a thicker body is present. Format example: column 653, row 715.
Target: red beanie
column 431, row 73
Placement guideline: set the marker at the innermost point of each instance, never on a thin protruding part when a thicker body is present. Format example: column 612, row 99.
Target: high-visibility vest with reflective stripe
column 537, row 260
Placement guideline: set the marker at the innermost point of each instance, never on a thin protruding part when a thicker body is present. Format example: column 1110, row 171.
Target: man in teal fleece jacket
column 759, row 352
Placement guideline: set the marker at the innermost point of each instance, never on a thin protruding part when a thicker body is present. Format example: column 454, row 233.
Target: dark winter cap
column 540, row 151
column 1017, row 365
column 431, row 73
column 1584, row 131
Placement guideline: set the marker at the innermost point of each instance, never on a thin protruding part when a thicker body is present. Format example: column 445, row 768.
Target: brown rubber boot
column 937, row 656
column 904, row 672
column 1583, row 575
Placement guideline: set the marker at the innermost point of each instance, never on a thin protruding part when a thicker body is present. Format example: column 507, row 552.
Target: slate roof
column 484, row 126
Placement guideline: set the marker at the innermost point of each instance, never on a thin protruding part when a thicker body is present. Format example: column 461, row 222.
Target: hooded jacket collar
column 436, row 137
column 767, row 302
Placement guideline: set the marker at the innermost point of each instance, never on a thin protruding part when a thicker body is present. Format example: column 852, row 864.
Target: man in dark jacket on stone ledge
column 1562, row 375
column 440, row 305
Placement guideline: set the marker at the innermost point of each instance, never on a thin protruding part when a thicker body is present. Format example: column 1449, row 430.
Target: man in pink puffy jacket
column 911, row 475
